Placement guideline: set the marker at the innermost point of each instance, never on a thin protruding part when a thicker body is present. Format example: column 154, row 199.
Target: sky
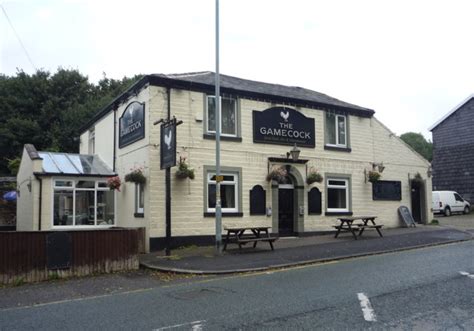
column 410, row 61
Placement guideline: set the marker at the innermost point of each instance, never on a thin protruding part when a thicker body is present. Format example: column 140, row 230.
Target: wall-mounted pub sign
column 168, row 144
column 283, row 126
column 132, row 124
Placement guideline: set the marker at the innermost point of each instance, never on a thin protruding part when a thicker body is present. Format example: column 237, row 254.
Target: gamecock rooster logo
column 285, row 115
column 168, row 139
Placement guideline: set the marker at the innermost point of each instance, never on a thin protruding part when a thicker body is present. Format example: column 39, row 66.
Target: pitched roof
column 268, row 89
column 66, row 164
column 204, row 82
column 451, row 112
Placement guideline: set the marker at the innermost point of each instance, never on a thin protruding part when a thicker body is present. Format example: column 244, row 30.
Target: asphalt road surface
column 424, row 289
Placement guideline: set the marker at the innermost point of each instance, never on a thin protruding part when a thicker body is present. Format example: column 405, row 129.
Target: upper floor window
column 228, row 116
column 91, row 148
column 336, row 130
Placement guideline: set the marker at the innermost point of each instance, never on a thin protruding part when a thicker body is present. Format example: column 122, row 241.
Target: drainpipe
column 40, row 202
column 115, row 138
column 168, row 187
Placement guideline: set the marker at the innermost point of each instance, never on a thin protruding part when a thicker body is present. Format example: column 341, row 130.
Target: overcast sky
column 410, row 61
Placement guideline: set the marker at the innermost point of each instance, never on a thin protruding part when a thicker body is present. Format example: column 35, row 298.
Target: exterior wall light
column 295, row 153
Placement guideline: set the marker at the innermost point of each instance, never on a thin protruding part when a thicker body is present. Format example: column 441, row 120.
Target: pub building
column 291, row 158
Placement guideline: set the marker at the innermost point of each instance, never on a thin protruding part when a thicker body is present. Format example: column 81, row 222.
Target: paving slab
column 299, row 251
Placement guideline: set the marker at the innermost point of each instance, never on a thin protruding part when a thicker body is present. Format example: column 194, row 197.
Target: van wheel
column 447, row 211
column 467, row 210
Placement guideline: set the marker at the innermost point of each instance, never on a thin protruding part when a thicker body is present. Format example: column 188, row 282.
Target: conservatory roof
column 74, row 165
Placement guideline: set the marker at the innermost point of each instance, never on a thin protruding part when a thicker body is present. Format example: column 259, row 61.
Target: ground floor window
column 139, row 199
column 229, row 192
column 337, row 195
column 83, row 203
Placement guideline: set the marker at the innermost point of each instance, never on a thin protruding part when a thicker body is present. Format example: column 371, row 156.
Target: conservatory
column 66, row 191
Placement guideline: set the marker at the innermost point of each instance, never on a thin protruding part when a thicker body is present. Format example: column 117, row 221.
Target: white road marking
column 467, row 274
column 367, row 310
column 195, row 326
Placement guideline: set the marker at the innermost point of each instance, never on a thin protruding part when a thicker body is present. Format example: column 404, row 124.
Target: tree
column 419, row 144
column 47, row 110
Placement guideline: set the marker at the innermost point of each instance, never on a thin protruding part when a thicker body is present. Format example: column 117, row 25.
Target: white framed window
column 336, row 130
column 228, row 116
column 337, row 194
column 139, row 199
column 82, row 203
column 229, row 192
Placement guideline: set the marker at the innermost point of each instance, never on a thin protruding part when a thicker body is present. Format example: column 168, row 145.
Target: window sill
column 338, row 149
column 223, row 138
column 237, row 214
column 139, row 215
column 338, row 213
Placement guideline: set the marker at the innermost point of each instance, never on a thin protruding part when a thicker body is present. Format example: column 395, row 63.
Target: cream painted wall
column 26, row 207
column 370, row 142
column 135, row 155
column 104, row 139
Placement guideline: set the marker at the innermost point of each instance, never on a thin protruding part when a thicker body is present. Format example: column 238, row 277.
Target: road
column 430, row 288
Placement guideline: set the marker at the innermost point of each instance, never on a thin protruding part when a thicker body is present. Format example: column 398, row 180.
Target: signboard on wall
column 387, row 190
column 132, row 124
column 168, row 145
column 283, row 126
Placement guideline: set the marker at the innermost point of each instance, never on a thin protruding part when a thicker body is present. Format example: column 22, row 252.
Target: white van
column 448, row 202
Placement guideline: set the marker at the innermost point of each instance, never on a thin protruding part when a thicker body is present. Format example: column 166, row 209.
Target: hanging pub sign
column 283, row 126
column 168, row 144
column 132, row 124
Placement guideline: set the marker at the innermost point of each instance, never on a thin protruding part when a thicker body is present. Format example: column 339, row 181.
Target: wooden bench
column 347, row 224
column 238, row 236
column 244, row 241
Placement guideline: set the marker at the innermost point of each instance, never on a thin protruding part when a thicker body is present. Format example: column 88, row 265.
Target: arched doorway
column 288, row 203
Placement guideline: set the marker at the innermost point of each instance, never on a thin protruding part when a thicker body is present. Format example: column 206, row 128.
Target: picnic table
column 245, row 235
column 347, row 224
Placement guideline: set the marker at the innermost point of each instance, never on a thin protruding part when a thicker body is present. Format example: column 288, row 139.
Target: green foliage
column 47, row 110
column 184, row 171
column 419, row 144
column 314, row 177
column 136, row 176
column 374, row 176
column 14, row 165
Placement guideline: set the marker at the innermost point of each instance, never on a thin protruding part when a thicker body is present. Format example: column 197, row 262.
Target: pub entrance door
column 286, row 210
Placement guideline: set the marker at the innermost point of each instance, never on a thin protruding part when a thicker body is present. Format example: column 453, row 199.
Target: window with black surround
column 338, row 195
column 228, row 114
column 336, row 135
column 139, row 200
column 231, row 191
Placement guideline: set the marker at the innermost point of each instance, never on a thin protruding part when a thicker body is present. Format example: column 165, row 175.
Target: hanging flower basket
column 114, row 183
column 136, row 176
column 278, row 174
column 184, row 171
column 374, row 176
column 314, row 177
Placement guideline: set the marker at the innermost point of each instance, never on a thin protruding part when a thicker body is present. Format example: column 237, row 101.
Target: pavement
column 294, row 251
